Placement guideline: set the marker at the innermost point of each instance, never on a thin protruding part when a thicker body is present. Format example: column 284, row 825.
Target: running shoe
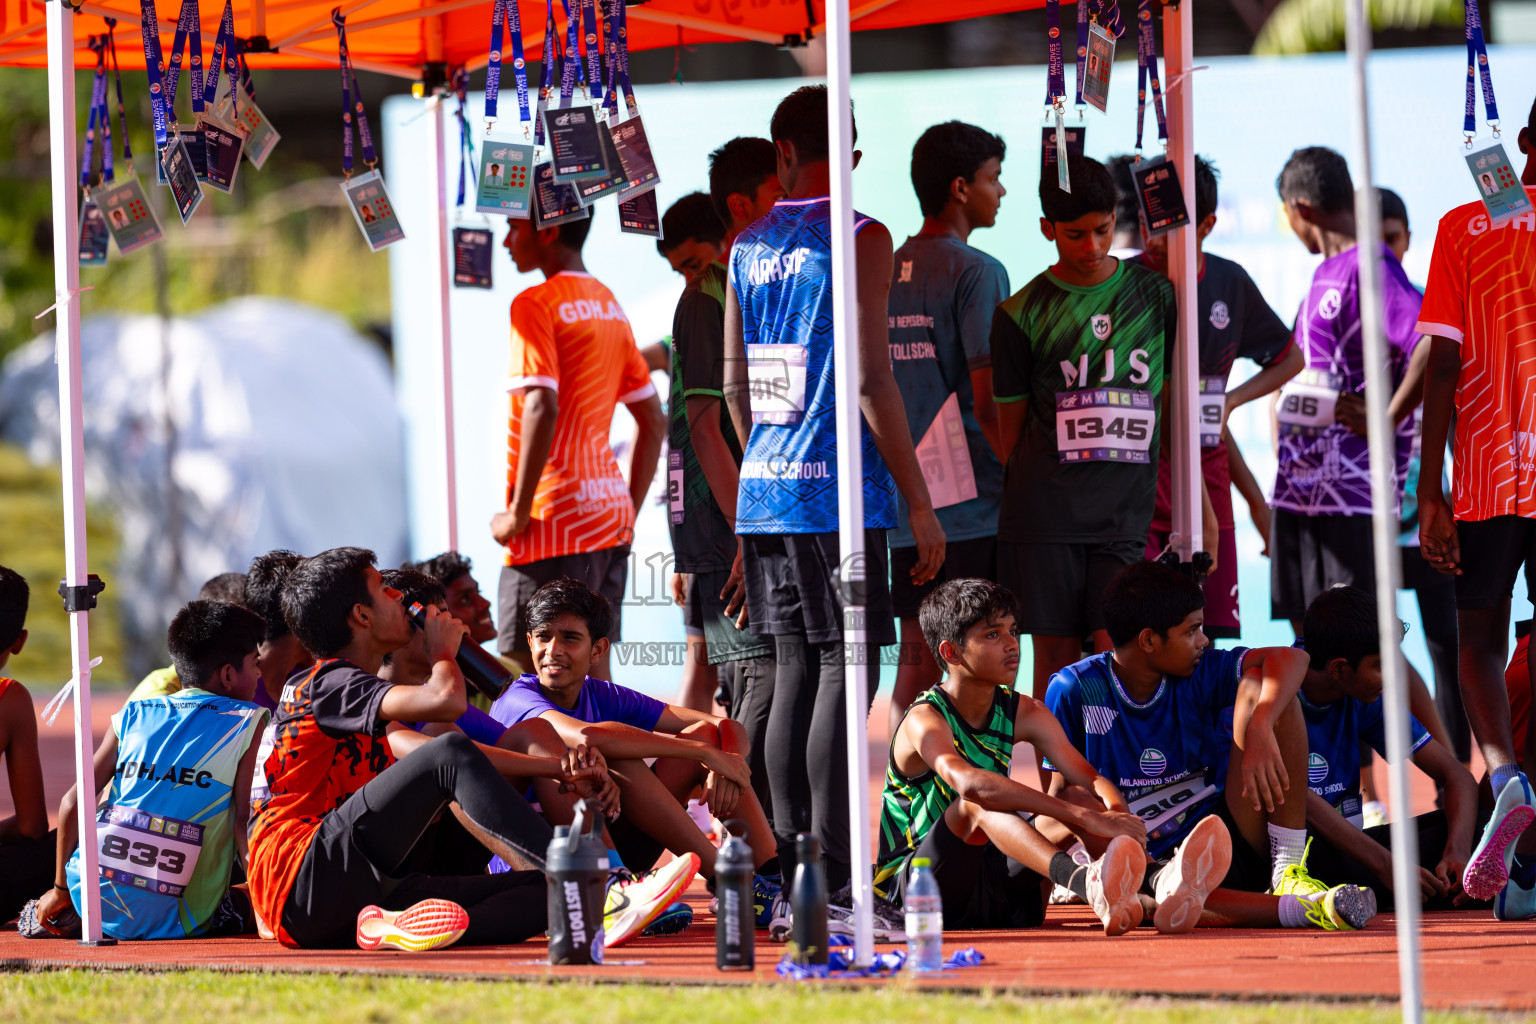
column 1060, row 894
column 1295, row 881
column 1114, row 885
column 1344, row 908
column 890, row 923
column 1198, row 866
column 765, row 889
column 1515, row 903
column 634, row 901
column 430, row 924
column 1487, row 872
column 780, row 920
column 676, row 918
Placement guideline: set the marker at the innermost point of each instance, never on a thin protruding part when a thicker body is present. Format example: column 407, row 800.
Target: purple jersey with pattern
column 1330, row 474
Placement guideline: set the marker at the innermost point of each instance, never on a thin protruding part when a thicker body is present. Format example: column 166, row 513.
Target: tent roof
column 396, row 36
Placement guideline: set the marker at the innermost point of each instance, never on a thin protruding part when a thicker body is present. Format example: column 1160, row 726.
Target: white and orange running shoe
column 430, row 924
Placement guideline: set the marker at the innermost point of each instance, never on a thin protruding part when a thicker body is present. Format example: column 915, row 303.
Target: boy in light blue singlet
column 177, row 774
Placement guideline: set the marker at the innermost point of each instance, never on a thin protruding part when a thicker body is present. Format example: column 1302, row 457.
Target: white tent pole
column 450, row 495
column 1184, row 447
column 1382, row 443
column 850, row 471
column 66, row 277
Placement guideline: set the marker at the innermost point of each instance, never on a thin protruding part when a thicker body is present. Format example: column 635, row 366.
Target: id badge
column 194, row 142
column 1160, row 195
column 472, row 252
column 94, row 236
column 145, row 851
column 1213, row 408
column 1307, row 401
column 640, row 215
column 375, row 214
column 261, row 138
column 944, row 456
column 223, row 146
column 776, row 383
column 130, row 219
column 638, row 165
column 181, row 175
column 556, row 201
column 675, row 487
column 506, row 179
column 1101, row 58
column 1063, row 179
column 1104, row 425
column 575, row 147
column 610, row 180
column 1076, row 136
column 1498, row 186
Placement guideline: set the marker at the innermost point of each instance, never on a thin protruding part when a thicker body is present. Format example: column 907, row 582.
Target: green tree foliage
column 1317, row 26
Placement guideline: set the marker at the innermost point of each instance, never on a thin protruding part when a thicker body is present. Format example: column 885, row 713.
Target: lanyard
column 245, row 71
column 1477, row 67
column 589, row 39
column 154, row 66
column 188, row 26
column 547, row 69
column 351, row 101
column 610, row 20
column 98, row 112
column 122, row 111
column 504, row 10
column 1055, row 70
column 1146, row 67
column 570, row 62
column 621, row 59
column 224, row 58
column 1102, row 13
column 466, row 150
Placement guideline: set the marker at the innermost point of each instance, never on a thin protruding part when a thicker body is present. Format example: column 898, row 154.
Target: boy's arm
column 1281, row 671
column 733, row 735
column 1437, row 761
column 541, row 408
column 1248, row 487
column 715, row 458
column 1037, row 726
column 240, row 798
column 652, row 426
column 1269, row 379
column 24, row 767
column 1011, row 416
column 617, row 741
column 1437, row 524
column 986, row 409
column 738, row 394
column 57, row 899
column 441, row 698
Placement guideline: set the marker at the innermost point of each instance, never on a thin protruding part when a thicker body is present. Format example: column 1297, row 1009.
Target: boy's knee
column 704, row 732
column 533, row 736
column 1080, row 797
column 455, row 745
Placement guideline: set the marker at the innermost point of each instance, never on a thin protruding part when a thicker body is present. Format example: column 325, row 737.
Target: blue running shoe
column 1487, row 873
column 764, row 889
column 674, row 919
column 1514, row 903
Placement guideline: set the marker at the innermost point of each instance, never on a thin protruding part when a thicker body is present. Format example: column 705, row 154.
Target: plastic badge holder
column 473, row 249
column 557, row 202
column 181, row 176
column 95, row 239
column 373, row 210
column 1101, row 60
column 506, row 179
column 129, row 216
column 612, row 177
column 223, row 147
column 640, row 216
column 575, row 147
column 261, row 137
column 639, row 165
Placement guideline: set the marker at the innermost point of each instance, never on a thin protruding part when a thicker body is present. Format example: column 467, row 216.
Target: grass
column 197, row 996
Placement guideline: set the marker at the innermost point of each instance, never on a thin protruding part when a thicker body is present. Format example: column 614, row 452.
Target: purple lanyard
column 187, row 27
column 224, row 57
column 1146, row 67
column 570, row 63
column 503, row 10
column 589, row 38
column 154, row 66
column 98, row 112
column 1107, row 16
column 122, row 111
column 621, row 60
column 351, row 101
column 1477, row 67
column 466, row 150
column 1055, row 69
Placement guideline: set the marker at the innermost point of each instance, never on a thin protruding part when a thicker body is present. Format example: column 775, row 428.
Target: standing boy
column 26, row 848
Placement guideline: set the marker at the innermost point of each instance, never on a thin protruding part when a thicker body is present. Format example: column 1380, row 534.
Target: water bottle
column 925, row 919
column 576, row 867
column 808, row 904
column 482, row 671
column 735, row 917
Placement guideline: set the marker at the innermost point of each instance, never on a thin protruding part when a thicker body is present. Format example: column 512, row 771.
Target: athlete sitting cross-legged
column 1204, row 744
column 948, row 798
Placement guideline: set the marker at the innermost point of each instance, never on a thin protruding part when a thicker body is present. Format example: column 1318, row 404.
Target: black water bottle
column 576, row 867
column 808, row 903
column 481, row 670
column 735, row 916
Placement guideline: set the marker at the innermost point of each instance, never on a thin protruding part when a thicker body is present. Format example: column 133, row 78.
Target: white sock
column 1287, row 846
column 1293, row 912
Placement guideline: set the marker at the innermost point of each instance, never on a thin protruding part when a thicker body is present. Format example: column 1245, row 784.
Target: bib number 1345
column 1104, row 425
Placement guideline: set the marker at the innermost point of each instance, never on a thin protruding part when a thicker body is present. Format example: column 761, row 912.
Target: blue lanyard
column 224, row 57
column 1107, row 16
column 466, row 150
column 1146, row 67
column 621, row 60
column 610, row 22
column 1477, row 67
column 188, row 26
column 1055, row 68
column 547, row 77
column 500, row 13
column 154, row 66
column 245, row 71
column 98, row 111
column 570, row 62
column 589, row 38
column 122, row 111
column 351, row 100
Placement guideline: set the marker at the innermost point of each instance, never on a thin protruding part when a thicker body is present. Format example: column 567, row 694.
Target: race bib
column 145, row 851
column 945, row 457
column 1307, row 401
column 776, row 382
column 1104, row 425
column 1213, row 408
column 675, row 486
column 1165, row 808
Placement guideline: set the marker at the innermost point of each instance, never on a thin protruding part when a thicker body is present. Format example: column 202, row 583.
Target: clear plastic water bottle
column 925, row 919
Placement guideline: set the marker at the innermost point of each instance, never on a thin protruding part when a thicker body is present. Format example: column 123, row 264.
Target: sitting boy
column 26, row 848
column 177, row 775
column 1204, row 743
column 948, row 797
column 331, row 842
column 691, row 748
column 1341, row 700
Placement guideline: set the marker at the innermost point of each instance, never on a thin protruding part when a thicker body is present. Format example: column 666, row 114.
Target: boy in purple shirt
column 1320, row 534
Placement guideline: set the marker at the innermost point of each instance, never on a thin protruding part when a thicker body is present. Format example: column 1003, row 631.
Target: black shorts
column 1309, row 554
column 792, row 587
column 982, row 886
column 1332, row 866
column 1250, row 869
column 1059, row 586
column 1492, row 551
column 963, row 560
column 606, row 572
column 706, row 611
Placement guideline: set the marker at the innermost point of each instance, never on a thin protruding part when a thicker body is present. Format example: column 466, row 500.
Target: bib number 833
column 142, row 854
column 1089, row 428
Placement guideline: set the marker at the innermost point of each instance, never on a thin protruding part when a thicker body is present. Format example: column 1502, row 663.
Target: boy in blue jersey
column 179, row 769
column 942, row 299
column 1205, row 745
column 779, row 389
column 1341, row 700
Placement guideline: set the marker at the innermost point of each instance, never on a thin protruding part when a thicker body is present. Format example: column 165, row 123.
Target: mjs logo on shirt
column 775, row 268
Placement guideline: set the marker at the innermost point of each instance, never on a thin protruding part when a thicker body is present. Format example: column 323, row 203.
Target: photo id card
column 555, row 202
column 129, row 217
column 181, row 176
column 506, row 179
column 1498, row 186
column 1160, row 195
column 223, row 146
column 575, row 147
column 472, row 252
column 635, row 156
column 1076, row 135
column 640, row 216
column 1101, row 58
column 261, row 138
column 375, row 214
column 94, row 237
column 610, row 180
column 193, row 138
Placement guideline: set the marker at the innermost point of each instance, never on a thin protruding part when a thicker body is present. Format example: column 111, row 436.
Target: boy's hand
column 584, row 772
column 1110, row 824
column 508, row 524
column 52, row 903
column 1450, row 869
column 721, row 796
column 735, row 593
column 444, row 634
column 1264, row 778
column 1350, row 411
column 679, row 588
column 1437, row 533
column 929, row 536
column 731, row 767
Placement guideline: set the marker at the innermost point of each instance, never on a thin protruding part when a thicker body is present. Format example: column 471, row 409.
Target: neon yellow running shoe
column 1295, row 881
column 1344, row 908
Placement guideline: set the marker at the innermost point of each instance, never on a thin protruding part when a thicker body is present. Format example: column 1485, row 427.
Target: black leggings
column 362, row 851
column 1436, row 594
column 807, row 753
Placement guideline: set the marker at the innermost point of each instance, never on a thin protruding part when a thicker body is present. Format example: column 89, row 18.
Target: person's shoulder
column 1457, row 222
column 158, row 683
column 1088, row 679
column 1220, row 269
column 340, row 672
column 1141, row 278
